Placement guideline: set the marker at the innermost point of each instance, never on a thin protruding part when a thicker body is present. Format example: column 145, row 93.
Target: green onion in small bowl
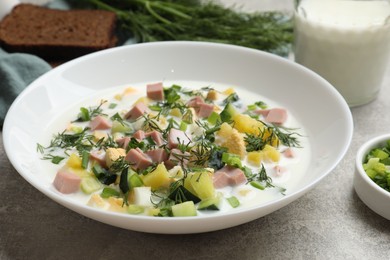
column 372, row 175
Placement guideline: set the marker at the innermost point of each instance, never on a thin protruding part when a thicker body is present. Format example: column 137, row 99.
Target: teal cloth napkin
column 17, row 71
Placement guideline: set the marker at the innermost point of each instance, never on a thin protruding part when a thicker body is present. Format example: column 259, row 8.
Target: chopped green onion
column 183, row 126
column 233, row 201
column 251, row 107
column 135, row 209
column 84, row 114
column 109, row 192
column 257, row 185
column 112, row 105
column 232, row 160
column 213, row 118
column 261, row 104
column 84, row 159
column 56, row 159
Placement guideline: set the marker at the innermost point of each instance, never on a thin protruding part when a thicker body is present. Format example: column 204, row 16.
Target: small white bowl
column 375, row 197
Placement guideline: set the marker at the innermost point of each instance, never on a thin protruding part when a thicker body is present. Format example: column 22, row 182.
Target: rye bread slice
column 56, row 35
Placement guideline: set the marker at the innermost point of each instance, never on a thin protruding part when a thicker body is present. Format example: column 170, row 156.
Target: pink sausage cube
column 155, row 91
column 157, row 137
column 138, row 110
column 66, row 182
column 276, row 116
column 205, row 110
column 158, row 155
column 176, row 136
column 138, row 159
column 100, row 123
column 139, row 135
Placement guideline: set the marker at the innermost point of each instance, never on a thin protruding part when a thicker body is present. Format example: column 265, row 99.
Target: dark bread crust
column 57, row 34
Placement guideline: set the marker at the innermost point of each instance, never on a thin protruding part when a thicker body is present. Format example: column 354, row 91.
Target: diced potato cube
column 255, row 158
column 212, row 95
column 157, row 178
column 74, row 161
column 229, row 91
column 271, row 153
column 144, row 100
column 200, row 184
column 176, row 112
column 246, row 124
column 98, row 135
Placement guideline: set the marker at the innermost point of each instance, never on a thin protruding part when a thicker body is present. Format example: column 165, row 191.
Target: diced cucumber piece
column 89, row 185
column 210, row 204
column 185, row 209
column 233, row 201
column 109, row 192
column 135, row 180
column 184, row 194
column 228, row 112
column 135, row 209
column 213, row 118
column 121, row 127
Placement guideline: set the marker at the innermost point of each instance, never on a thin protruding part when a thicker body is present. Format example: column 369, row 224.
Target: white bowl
column 318, row 107
column 368, row 191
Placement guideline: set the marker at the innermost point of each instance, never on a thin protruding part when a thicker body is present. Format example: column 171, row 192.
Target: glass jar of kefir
column 347, row 42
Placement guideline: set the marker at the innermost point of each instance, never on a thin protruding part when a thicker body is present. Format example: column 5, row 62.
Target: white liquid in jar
column 346, row 42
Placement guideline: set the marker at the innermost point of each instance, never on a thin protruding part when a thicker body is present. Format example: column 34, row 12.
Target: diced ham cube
column 158, row 155
column 176, row 137
column 139, row 135
column 228, row 176
column 138, row 159
column 100, row 123
column 66, row 182
column 263, row 112
column 155, row 91
column 237, row 177
column 202, row 109
column 138, row 110
column 123, row 141
column 99, row 157
column 279, row 170
column 276, row 116
column 157, row 137
column 289, row 153
column 220, row 179
column 205, row 110
column 177, row 157
column 195, row 102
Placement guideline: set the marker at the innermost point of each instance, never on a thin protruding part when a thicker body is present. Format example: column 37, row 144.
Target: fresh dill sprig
column 195, row 20
column 86, row 114
column 287, row 136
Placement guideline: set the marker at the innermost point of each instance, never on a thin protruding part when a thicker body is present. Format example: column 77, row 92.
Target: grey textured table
column 329, row 222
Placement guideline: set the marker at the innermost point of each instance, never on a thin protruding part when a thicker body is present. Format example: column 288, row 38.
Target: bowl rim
column 362, row 152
